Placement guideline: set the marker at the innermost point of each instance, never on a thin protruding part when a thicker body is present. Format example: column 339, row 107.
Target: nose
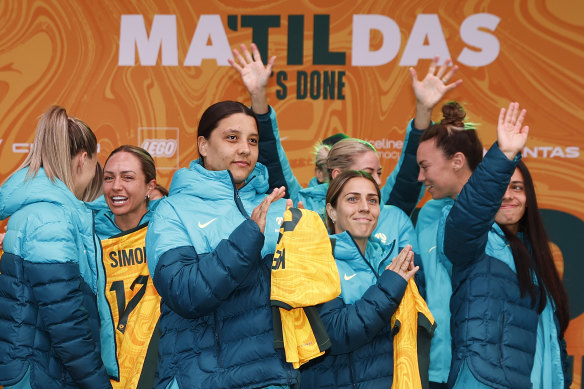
column 421, row 177
column 117, row 185
column 244, row 148
column 508, row 194
column 363, row 205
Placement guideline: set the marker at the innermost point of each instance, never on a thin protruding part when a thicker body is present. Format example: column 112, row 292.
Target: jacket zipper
column 363, row 256
column 237, row 199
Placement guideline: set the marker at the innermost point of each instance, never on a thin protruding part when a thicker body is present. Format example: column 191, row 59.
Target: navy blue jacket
column 49, row 321
column 358, row 322
column 211, row 265
column 494, row 329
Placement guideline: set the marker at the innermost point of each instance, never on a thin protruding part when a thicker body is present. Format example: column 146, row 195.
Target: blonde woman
column 49, row 322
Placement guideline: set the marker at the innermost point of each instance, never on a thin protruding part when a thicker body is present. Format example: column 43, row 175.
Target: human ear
column 335, row 172
column 458, row 161
column 331, row 212
column 202, row 146
column 151, row 185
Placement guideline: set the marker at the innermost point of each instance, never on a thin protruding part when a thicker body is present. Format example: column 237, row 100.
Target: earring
column 333, row 221
column 147, row 197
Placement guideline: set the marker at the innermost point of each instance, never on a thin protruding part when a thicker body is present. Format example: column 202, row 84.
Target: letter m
column 162, row 38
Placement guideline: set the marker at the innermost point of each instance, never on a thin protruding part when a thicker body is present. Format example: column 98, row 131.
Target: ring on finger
column 444, row 80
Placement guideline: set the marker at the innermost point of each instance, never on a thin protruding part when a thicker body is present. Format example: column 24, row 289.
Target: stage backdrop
column 142, row 72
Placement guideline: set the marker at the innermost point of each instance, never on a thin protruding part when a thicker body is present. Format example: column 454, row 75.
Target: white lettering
column 527, row 152
column 160, row 147
column 487, row 44
column 362, row 26
column 572, row 152
column 427, row 28
column 209, row 27
column 20, row 148
column 551, row 152
column 162, row 37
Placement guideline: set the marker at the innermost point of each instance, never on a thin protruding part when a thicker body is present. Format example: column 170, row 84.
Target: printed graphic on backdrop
column 162, row 144
column 143, row 72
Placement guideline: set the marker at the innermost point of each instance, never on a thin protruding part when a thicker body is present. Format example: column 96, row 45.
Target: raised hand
column 432, row 89
column 403, row 264
column 511, row 133
column 260, row 212
column 254, row 74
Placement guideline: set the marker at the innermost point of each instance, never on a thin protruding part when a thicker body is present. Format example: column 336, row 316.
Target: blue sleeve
column 402, row 187
column 407, row 235
column 394, row 223
column 463, row 231
column 195, row 284
column 351, row 326
column 272, row 155
column 57, row 288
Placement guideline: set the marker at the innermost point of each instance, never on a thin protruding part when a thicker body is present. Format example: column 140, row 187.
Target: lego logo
column 160, row 147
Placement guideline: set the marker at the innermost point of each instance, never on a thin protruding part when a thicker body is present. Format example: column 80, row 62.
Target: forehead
column 428, row 151
column 359, row 185
column 239, row 122
column 123, row 160
column 517, row 176
column 366, row 160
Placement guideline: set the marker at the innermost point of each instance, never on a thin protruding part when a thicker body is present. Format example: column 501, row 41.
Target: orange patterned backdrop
column 67, row 52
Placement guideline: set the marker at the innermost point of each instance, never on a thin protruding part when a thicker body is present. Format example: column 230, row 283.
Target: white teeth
column 119, row 198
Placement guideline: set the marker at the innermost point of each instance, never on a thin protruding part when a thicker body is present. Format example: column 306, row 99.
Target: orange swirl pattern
column 67, row 53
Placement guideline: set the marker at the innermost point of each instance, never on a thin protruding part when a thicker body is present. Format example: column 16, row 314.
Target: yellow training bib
column 134, row 302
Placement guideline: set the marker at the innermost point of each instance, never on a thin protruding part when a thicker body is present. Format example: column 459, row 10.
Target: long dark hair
column 453, row 135
column 533, row 257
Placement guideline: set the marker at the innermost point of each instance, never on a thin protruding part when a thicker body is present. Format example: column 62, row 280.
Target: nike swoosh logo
column 347, row 278
column 206, row 224
column 429, row 251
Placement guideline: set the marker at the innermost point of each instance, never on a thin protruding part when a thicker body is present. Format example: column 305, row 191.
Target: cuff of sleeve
column 264, row 117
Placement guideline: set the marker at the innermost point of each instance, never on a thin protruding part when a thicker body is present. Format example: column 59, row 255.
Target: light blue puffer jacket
column 49, row 321
column 211, row 265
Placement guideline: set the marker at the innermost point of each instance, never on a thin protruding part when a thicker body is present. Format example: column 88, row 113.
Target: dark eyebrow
column 122, row 172
column 235, row 130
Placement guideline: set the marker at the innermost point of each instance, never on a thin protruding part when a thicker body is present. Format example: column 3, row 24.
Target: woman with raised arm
column 448, row 153
column 401, row 188
column 210, row 245
column 509, row 308
column 49, row 321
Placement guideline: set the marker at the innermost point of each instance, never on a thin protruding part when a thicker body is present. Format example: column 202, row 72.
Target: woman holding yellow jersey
column 129, row 335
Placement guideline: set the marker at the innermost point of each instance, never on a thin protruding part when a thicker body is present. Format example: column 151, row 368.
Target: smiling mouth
column 119, row 200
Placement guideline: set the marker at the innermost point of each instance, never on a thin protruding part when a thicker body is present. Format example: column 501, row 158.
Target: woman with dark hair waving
column 372, row 286
column 209, row 247
column 508, row 306
column 49, row 322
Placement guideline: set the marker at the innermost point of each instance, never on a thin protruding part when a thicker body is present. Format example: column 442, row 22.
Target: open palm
column 511, row 133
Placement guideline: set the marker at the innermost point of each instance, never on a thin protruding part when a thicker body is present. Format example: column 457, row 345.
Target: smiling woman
column 511, row 334
column 121, row 221
column 372, row 286
column 210, row 246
